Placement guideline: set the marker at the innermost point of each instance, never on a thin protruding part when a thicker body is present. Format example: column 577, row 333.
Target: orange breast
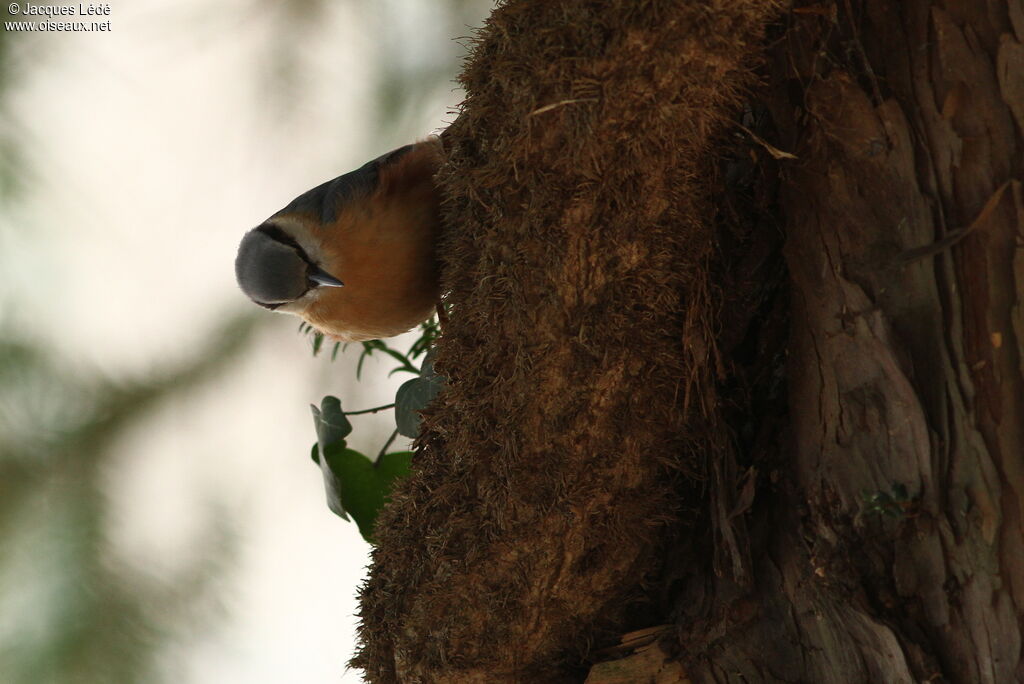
column 384, row 252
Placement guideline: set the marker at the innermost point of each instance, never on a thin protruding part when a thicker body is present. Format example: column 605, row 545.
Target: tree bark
column 897, row 552
column 806, row 478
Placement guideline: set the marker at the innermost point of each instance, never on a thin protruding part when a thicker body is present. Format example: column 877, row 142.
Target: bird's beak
column 321, row 277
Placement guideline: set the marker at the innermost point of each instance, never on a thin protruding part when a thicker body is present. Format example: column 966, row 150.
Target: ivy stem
column 369, row 410
column 384, row 448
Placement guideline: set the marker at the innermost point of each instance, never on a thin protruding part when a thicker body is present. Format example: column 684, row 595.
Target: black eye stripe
column 278, row 235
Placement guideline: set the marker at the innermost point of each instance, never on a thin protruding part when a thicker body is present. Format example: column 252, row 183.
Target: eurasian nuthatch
column 355, row 256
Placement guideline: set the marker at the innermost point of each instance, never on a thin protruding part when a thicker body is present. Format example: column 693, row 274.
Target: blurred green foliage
column 69, row 610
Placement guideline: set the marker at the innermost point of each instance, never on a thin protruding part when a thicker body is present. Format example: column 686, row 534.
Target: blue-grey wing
column 324, row 200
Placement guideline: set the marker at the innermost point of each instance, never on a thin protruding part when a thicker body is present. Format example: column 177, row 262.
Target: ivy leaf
column 357, row 486
column 332, row 427
column 414, row 395
column 331, row 423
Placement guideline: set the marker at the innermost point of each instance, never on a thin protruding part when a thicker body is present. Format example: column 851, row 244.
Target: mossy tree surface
column 820, row 481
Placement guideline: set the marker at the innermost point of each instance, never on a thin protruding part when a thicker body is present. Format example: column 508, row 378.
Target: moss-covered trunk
column 616, row 450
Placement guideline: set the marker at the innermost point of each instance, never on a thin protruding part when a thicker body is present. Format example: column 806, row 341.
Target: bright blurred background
column 160, row 517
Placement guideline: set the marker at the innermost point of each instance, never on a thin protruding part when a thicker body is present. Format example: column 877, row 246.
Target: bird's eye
column 267, row 306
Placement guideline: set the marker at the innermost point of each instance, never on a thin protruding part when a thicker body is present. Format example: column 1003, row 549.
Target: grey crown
column 270, row 271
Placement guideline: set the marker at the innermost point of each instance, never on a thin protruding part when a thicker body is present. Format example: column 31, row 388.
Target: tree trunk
column 896, row 553
column 812, row 477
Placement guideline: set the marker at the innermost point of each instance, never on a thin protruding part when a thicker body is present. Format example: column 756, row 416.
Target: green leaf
column 401, row 358
column 369, row 346
column 427, row 368
column 331, row 424
column 332, row 427
column 429, row 331
column 358, row 487
column 355, row 486
column 414, row 395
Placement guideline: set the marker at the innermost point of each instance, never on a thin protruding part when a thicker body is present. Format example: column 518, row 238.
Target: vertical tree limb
column 580, row 349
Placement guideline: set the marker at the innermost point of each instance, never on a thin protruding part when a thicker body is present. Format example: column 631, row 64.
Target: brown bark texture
column 896, row 548
column 740, row 358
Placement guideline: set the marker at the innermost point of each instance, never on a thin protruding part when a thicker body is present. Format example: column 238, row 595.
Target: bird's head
column 374, row 227
column 275, row 271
